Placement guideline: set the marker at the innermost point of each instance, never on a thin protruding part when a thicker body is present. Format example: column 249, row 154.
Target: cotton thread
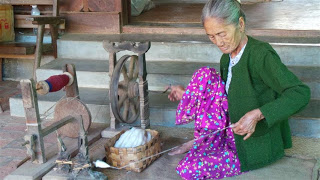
column 57, row 82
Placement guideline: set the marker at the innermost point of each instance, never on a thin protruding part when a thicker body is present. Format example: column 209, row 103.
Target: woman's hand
column 247, row 124
column 182, row 149
column 176, row 93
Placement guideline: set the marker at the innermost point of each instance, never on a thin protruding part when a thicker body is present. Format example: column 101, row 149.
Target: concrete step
column 305, row 127
column 197, row 48
column 94, row 73
column 294, row 51
column 162, row 111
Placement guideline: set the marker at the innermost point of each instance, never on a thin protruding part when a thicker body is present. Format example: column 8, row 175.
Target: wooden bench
column 32, row 51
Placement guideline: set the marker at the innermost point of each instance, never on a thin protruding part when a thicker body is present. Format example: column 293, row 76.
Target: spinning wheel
column 124, row 90
column 128, row 85
column 71, row 106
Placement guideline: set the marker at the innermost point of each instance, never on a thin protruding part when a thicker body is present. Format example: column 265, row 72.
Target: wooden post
column 54, row 37
column 55, row 8
column 112, row 63
column 143, row 92
column 33, row 121
column 38, row 52
column 72, row 90
column 85, row 6
column 124, row 7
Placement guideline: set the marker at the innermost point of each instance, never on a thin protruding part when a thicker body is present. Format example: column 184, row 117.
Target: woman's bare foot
column 182, row 149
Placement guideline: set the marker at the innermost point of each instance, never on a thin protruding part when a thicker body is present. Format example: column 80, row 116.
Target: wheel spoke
column 136, row 71
column 124, row 73
column 121, row 100
column 126, row 110
column 137, row 104
column 133, row 108
column 131, row 67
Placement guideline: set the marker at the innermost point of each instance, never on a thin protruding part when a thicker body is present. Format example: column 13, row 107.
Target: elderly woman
column 262, row 94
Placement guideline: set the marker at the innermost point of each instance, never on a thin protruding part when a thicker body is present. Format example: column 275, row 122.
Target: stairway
column 172, row 59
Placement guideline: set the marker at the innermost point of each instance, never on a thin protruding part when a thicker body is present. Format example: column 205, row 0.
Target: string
column 44, row 116
column 219, row 130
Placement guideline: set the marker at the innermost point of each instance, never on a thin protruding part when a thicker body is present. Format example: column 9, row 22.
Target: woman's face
column 226, row 36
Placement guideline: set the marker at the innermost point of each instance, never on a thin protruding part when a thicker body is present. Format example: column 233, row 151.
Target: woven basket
column 119, row 157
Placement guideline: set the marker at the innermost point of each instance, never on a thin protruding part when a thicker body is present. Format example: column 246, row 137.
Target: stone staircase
column 172, row 59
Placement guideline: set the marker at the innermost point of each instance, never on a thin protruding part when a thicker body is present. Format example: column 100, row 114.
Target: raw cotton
column 133, row 138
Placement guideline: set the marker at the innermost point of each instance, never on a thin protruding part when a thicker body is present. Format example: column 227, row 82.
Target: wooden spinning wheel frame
column 125, row 100
column 128, row 85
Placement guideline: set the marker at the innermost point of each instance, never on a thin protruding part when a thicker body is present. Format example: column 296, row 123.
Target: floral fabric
column 213, row 155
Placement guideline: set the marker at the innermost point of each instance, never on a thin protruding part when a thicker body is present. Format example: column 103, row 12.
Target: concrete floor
column 300, row 162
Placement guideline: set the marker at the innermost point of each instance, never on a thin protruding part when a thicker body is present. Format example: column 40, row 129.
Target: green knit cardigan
column 261, row 80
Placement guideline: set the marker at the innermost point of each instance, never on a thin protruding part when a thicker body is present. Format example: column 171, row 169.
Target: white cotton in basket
column 133, row 138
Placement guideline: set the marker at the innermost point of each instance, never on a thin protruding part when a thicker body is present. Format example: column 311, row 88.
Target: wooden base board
column 96, row 152
column 30, row 171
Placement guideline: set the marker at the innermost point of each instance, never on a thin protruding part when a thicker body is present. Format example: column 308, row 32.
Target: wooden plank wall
column 93, row 16
column 92, row 22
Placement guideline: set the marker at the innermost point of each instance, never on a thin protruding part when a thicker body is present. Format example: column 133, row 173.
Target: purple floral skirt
column 213, row 155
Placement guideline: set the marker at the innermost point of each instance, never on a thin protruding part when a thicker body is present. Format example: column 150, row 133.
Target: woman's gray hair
column 226, row 10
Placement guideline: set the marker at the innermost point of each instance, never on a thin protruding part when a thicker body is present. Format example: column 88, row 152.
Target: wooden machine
column 128, row 85
column 70, row 114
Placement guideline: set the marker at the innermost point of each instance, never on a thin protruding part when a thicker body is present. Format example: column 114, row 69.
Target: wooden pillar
column 33, row 122
column 38, row 53
column 114, row 124
column 54, row 37
column 124, row 7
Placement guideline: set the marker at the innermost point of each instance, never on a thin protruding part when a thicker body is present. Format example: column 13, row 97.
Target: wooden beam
column 55, row 8
column 92, row 22
column 17, row 48
column 41, row 20
column 56, row 125
column 15, row 56
column 162, row 30
column 21, row 22
column 26, row 2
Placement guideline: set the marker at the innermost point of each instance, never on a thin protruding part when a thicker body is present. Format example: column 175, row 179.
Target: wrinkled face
column 226, row 36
